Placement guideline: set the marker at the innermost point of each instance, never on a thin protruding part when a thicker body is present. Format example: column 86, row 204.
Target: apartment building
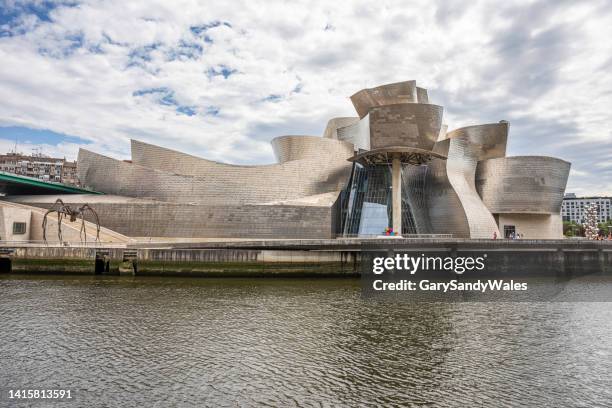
column 40, row 167
column 573, row 208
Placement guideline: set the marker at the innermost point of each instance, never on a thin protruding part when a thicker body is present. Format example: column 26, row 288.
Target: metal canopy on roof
column 385, row 155
column 13, row 184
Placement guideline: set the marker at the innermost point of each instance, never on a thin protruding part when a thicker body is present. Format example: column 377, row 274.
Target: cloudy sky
column 220, row 79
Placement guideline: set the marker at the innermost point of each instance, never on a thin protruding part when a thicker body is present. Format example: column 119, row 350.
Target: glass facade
column 415, row 209
column 367, row 208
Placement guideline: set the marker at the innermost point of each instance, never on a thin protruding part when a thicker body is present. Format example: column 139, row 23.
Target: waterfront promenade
column 329, row 257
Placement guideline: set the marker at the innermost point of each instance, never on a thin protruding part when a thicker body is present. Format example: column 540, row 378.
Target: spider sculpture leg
column 44, row 225
column 86, row 207
column 59, row 226
column 58, row 206
column 83, row 232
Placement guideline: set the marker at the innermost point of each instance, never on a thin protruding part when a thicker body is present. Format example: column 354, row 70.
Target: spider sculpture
column 65, row 211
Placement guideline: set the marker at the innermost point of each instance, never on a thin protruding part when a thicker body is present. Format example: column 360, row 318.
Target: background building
column 40, row 167
column 573, row 207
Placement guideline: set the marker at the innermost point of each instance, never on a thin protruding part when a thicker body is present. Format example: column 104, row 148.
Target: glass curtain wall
column 415, row 209
column 367, row 209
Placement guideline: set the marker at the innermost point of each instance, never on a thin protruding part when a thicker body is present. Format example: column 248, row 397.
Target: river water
column 162, row 342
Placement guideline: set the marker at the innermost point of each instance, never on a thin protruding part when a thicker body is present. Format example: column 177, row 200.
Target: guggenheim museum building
column 393, row 165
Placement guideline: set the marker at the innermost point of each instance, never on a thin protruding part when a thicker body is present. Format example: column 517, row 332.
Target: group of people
column 512, row 235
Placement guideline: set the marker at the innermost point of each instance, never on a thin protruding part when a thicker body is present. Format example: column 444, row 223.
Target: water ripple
column 240, row 342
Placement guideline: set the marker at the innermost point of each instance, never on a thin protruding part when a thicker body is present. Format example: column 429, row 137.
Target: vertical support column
column 396, row 184
column 602, row 261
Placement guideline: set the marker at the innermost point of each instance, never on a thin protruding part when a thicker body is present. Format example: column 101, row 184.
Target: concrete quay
column 297, row 258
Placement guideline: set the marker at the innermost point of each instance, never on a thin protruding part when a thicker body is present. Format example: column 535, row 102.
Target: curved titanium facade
column 442, row 134
column 167, row 175
column 404, row 160
column 313, row 148
column 446, row 213
column 454, row 204
column 408, row 124
column 399, row 92
column 522, row 184
column 331, row 155
column 331, row 130
column 461, row 168
column 201, row 198
column 357, row 133
column 484, row 141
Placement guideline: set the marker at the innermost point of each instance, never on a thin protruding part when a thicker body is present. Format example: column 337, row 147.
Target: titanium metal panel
column 399, row 92
column 446, row 212
column 313, row 148
column 331, row 130
column 422, row 95
column 442, row 134
column 455, row 206
column 166, row 175
column 461, row 169
column 407, row 124
column 522, row 184
column 486, row 141
column 357, row 133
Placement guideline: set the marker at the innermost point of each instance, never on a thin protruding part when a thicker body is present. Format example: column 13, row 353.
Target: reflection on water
column 244, row 342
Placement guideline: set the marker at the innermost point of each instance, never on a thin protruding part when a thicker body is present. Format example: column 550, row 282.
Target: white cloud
column 60, row 150
column 545, row 66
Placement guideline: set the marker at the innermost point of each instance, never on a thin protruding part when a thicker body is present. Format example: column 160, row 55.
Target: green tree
column 605, row 227
column 572, row 229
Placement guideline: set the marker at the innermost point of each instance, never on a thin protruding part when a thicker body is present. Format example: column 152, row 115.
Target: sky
column 220, row 79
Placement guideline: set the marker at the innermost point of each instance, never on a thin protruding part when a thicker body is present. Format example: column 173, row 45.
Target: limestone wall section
column 136, row 218
column 10, row 214
column 534, row 226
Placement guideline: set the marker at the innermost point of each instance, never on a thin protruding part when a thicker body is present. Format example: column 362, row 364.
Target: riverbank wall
column 283, row 258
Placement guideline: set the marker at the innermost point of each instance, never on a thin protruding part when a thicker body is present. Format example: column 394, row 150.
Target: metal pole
column 396, row 184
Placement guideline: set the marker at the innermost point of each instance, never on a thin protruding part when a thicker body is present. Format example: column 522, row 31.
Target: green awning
column 13, row 184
